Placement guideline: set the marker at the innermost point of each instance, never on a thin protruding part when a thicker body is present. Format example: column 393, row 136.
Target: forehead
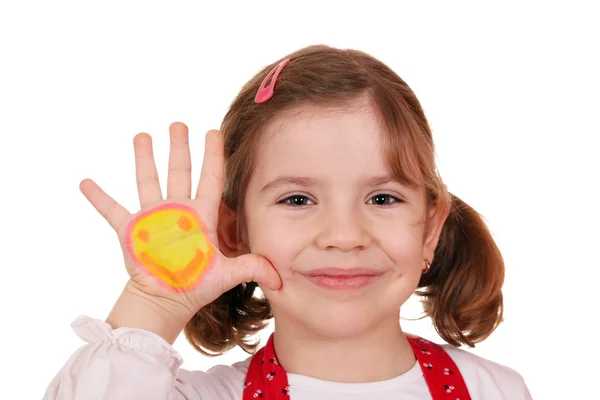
column 310, row 139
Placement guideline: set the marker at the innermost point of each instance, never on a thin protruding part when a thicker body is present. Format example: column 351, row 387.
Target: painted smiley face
column 170, row 243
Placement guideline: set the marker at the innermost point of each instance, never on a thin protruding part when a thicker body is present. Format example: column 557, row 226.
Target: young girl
column 321, row 188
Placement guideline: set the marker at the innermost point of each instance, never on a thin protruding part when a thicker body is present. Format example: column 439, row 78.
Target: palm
column 170, row 246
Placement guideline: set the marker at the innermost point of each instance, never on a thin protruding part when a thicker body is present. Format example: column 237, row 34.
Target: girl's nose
column 345, row 230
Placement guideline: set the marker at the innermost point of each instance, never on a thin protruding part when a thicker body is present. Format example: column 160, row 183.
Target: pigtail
column 462, row 289
column 229, row 321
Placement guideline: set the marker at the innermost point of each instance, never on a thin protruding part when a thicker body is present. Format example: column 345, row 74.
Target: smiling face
column 333, row 213
column 170, row 243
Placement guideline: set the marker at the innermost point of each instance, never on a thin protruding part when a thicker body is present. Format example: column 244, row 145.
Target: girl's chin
column 342, row 321
column 340, row 328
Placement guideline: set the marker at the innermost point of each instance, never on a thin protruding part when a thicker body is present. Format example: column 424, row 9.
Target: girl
column 320, row 188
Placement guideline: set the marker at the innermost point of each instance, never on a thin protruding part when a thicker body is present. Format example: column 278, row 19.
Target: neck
column 380, row 354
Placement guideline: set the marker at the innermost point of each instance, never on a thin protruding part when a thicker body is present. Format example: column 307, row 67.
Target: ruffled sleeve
column 123, row 363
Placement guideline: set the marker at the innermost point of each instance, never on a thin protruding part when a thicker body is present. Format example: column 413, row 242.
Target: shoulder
column 237, row 370
column 218, row 382
column 486, row 377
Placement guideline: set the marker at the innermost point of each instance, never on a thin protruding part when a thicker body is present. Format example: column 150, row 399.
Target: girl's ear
column 434, row 232
column 226, row 232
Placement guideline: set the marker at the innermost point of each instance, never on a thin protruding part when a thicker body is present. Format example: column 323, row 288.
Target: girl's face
column 313, row 201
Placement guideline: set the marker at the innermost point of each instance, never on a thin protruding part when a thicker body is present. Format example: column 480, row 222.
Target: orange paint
column 170, row 243
column 185, row 223
column 144, row 236
column 186, row 273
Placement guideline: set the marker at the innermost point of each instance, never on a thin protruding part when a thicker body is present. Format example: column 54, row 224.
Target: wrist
column 136, row 309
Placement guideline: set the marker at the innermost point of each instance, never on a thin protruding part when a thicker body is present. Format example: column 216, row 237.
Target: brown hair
column 461, row 292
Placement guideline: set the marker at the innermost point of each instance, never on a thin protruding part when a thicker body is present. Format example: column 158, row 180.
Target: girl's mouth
column 341, row 282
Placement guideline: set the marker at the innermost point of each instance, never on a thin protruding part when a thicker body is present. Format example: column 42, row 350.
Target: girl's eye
column 380, row 200
column 296, row 200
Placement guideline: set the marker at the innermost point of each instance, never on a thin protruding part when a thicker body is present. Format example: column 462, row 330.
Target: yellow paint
column 170, row 242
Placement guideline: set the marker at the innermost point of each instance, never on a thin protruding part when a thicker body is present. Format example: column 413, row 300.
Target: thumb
column 255, row 268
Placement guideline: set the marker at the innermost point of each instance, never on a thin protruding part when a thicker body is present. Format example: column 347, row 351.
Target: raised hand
column 169, row 246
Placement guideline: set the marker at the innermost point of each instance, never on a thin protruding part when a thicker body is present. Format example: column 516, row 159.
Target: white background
column 511, row 92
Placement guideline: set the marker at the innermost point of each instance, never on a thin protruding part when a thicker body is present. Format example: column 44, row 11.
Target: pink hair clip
column 265, row 93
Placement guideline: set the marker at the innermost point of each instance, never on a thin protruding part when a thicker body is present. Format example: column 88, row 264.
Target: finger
column 114, row 213
column 145, row 171
column 210, row 186
column 254, row 268
column 180, row 163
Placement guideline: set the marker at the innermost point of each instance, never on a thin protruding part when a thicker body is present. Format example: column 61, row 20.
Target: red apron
column 266, row 379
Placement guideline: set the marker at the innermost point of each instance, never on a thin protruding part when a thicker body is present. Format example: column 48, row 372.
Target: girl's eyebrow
column 307, row 182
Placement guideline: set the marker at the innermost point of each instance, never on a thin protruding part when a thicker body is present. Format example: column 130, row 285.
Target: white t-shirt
column 128, row 363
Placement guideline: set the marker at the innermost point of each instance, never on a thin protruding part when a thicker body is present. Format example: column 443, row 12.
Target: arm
column 136, row 309
column 128, row 356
